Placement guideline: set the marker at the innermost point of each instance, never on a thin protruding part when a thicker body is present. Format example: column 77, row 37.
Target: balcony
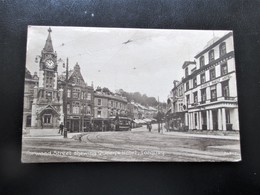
column 203, row 102
column 213, row 99
column 195, row 104
column 229, row 98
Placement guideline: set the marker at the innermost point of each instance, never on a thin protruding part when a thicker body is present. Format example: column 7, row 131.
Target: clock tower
column 47, row 105
column 48, row 66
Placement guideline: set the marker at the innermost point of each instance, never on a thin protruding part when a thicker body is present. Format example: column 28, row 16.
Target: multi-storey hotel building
column 210, row 87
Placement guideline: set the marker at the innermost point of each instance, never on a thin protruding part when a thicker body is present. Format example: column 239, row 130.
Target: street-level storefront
column 176, row 121
column 220, row 116
column 78, row 123
column 74, row 124
column 102, row 124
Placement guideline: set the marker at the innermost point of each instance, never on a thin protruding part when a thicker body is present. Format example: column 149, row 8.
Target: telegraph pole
column 158, row 116
column 65, row 99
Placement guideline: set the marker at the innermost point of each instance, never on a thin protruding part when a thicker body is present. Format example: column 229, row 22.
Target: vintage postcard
column 116, row 94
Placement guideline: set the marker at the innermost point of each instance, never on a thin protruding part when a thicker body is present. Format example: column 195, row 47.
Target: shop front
column 102, row 124
column 176, row 121
column 220, row 116
column 78, row 123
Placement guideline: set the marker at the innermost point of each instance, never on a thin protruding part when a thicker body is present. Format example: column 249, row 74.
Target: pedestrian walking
column 41, row 123
column 150, row 127
column 91, row 126
column 61, row 128
column 112, row 126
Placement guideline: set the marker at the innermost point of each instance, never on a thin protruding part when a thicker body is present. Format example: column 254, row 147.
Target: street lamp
column 65, row 98
column 83, row 114
column 37, row 58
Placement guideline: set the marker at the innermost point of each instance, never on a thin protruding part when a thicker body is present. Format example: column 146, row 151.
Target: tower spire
column 48, row 45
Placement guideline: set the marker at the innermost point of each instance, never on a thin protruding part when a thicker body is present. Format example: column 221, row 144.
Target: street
column 135, row 145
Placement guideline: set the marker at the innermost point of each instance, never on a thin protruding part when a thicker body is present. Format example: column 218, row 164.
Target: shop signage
column 226, row 78
column 74, row 117
column 214, row 82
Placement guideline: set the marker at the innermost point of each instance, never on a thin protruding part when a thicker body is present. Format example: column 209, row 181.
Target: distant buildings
column 210, row 90
column 133, row 110
column 138, row 111
column 152, row 112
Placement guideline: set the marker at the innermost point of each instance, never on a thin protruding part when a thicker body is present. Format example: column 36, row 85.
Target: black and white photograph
column 130, row 97
column 127, row 94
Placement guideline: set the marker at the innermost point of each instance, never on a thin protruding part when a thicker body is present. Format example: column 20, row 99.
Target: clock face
column 49, row 63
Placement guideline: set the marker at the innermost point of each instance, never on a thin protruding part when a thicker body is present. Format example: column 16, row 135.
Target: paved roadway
column 137, row 145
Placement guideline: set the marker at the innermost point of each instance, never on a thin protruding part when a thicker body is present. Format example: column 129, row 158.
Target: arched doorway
column 48, row 117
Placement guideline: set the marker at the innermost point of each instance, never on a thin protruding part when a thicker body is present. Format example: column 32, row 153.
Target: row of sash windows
column 213, row 93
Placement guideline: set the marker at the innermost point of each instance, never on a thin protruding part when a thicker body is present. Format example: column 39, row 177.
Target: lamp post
column 37, row 57
column 83, row 114
column 65, row 97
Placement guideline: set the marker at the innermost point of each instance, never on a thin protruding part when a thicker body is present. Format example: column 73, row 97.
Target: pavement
column 188, row 134
column 47, row 134
column 53, row 133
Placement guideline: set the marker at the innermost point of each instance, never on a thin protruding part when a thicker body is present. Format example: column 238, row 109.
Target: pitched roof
column 186, row 63
column 48, row 45
column 41, row 109
column 28, row 74
column 213, row 43
column 76, row 72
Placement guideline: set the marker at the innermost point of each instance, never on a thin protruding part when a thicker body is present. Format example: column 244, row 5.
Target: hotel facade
column 210, row 90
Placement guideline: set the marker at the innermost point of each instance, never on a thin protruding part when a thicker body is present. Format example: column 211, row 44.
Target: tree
column 159, row 117
column 106, row 90
column 138, row 98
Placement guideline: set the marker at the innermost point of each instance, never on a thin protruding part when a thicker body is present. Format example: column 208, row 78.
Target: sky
column 143, row 60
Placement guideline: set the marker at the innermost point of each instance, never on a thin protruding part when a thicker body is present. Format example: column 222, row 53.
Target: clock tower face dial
column 49, row 63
